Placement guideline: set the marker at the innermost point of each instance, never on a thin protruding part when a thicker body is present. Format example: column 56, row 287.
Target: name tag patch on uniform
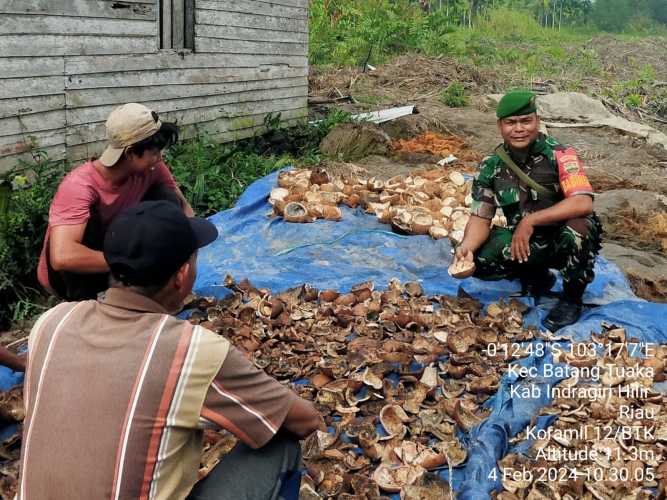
column 571, row 174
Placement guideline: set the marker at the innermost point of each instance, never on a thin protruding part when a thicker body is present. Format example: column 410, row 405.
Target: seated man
column 90, row 196
column 547, row 200
column 117, row 390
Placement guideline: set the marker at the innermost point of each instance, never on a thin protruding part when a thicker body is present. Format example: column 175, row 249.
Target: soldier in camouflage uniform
column 546, row 228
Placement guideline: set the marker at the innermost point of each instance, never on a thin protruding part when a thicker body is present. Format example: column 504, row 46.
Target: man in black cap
column 543, row 192
column 118, row 391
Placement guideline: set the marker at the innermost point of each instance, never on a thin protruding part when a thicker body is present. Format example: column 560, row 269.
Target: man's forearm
column 569, row 208
column 476, row 233
column 11, row 360
column 187, row 209
column 79, row 258
column 302, row 419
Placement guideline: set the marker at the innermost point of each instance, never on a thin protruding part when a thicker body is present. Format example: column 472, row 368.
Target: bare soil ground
column 621, row 59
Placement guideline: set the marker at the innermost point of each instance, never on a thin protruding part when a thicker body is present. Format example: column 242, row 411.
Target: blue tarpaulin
column 278, row 255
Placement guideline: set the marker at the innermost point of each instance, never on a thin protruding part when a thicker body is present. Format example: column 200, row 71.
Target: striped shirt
column 118, row 392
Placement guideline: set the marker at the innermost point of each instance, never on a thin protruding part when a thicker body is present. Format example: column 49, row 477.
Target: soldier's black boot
column 537, row 282
column 568, row 309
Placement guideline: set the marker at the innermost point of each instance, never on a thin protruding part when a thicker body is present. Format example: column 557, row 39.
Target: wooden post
column 166, row 16
column 190, row 24
column 177, row 24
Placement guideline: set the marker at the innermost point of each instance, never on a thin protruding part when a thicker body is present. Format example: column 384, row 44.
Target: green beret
column 516, row 103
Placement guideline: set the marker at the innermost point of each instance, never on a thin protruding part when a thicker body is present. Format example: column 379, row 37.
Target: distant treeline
column 607, row 15
column 352, row 31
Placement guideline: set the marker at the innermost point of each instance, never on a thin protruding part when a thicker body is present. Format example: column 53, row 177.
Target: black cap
column 146, row 244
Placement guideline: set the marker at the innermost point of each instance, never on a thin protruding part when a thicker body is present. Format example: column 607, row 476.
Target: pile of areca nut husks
column 396, row 374
column 431, row 202
column 400, row 376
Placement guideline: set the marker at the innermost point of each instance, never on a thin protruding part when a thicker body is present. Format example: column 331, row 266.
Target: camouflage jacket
column 554, row 166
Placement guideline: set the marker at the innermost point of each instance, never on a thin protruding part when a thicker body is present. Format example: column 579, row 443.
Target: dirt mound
column 407, row 126
column 639, row 248
column 639, row 231
column 420, row 72
column 343, row 170
column 646, row 271
column 411, row 76
column 602, row 183
column 624, row 58
column 353, row 141
column 615, row 160
column 643, row 203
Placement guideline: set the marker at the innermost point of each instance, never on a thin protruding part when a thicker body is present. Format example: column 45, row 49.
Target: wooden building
column 216, row 66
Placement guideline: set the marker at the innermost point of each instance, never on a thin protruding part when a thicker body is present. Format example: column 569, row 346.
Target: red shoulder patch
column 571, row 173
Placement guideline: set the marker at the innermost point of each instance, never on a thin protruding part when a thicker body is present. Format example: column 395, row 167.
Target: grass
column 454, row 95
column 369, row 100
column 213, row 176
column 29, row 188
column 639, row 92
column 507, row 48
column 516, row 46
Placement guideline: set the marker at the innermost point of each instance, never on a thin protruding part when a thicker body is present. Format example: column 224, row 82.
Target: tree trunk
column 553, row 16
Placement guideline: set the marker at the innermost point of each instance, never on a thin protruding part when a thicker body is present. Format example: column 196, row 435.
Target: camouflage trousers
column 571, row 248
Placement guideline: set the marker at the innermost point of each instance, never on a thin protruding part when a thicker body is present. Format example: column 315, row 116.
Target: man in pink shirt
column 130, row 170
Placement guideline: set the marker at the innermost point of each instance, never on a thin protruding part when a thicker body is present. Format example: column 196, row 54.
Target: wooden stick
column 327, row 100
column 12, row 344
column 655, row 118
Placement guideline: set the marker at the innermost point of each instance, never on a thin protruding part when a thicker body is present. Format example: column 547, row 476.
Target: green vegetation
column 454, row 95
column 212, row 176
column 633, row 101
column 368, row 100
column 22, row 225
column 349, row 32
column 626, row 15
column 514, row 39
column 512, row 43
column 640, row 92
column 345, row 32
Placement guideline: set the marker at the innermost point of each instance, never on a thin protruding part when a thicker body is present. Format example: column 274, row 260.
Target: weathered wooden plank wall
column 65, row 64
column 270, row 41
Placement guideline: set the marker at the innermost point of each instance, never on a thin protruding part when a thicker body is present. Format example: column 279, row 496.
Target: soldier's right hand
column 463, row 253
column 463, row 265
